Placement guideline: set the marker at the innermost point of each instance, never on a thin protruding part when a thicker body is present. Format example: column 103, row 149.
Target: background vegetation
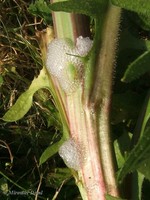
column 23, row 142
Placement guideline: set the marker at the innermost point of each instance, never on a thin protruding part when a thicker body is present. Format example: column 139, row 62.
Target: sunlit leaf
column 109, row 197
column 140, row 185
column 20, row 108
column 24, row 102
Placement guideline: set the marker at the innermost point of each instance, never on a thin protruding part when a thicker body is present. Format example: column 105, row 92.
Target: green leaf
column 139, row 6
column 143, row 123
column 137, row 157
column 145, row 169
column 140, row 184
column 87, row 7
column 50, row 151
column 144, row 118
column 145, row 115
column 144, row 21
column 141, row 20
column 1, row 80
column 42, row 9
column 122, row 146
column 109, row 197
column 24, row 102
column 137, row 68
column 136, row 185
column 132, row 42
column 20, row 108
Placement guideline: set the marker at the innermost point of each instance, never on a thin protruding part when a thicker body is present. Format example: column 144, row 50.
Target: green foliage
column 144, row 21
column 1, row 80
column 87, row 7
column 145, row 116
column 24, row 102
column 50, row 151
column 122, row 146
column 132, row 63
column 137, row 157
column 20, row 108
column 130, row 125
column 108, row 197
column 139, row 6
column 136, row 51
column 20, row 62
column 41, row 8
column 144, row 169
column 137, row 68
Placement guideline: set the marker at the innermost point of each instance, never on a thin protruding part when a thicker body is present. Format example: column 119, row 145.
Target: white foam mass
column 83, row 45
column 64, row 62
column 70, row 152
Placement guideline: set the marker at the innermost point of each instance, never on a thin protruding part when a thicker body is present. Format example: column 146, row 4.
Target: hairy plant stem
column 87, row 114
column 101, row 93
column 83, row 129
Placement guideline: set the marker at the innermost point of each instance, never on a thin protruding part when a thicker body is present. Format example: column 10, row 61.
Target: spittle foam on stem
column 72, row 154
column 65, row 61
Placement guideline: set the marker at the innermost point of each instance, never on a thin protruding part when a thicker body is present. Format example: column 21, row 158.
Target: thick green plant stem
column 83, row 129
column 70, row 25
column 101, row 95
column 87, row 113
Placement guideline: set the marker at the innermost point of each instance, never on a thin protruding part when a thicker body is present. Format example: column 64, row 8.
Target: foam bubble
column 71, row 153
column 57, row 56
column 65, row 63
column 83, row 45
